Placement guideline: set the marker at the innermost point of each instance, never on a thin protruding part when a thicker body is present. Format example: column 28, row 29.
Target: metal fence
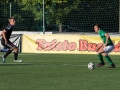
column 81, row 19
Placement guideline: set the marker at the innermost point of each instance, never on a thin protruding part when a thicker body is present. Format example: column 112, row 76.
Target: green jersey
column 103, row 37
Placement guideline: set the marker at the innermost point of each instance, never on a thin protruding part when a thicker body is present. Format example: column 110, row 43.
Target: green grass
column 58, row 72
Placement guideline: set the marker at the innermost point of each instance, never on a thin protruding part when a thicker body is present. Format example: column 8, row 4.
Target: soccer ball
column 91, row 66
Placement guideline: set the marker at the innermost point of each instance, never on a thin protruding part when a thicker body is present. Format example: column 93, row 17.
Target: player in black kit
column 6, row 33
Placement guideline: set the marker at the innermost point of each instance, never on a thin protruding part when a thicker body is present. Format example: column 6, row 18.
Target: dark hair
column 98, row 25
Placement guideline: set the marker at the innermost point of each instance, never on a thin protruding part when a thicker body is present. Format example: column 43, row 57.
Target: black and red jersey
column 8, row 30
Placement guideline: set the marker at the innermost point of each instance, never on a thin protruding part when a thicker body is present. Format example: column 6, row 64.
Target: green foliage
column 75, row 15
column 57, row 10
column 54, row 9
column 4, row 1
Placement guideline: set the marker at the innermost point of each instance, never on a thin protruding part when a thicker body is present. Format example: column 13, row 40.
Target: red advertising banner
column 64, row 43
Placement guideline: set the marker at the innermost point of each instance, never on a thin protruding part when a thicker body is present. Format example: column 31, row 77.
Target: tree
column 54, row 9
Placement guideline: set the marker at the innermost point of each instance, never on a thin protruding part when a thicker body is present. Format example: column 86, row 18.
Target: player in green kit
column 106, row 47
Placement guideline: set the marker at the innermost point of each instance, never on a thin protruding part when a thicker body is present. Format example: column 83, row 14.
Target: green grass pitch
column 58, row 72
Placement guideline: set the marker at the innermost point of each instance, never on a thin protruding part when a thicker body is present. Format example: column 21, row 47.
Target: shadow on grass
column 14, row 64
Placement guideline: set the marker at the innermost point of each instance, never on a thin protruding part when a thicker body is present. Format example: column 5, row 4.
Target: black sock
column 15, row 55
column 7, row 53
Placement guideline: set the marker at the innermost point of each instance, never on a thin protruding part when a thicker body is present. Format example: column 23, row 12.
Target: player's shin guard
column 100, row 58
column 15, row 55
column 7, row 53
column 109, row 59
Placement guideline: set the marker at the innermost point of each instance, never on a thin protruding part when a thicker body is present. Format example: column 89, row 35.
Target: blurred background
column 67, row 15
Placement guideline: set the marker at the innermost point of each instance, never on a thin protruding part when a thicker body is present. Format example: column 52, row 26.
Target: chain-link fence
column 81, row 19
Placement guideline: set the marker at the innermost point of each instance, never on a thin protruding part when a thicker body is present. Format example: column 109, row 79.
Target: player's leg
column 107, row 50
column 7, row 53
column 11, row 47
column 100, row 57
column 15, row 49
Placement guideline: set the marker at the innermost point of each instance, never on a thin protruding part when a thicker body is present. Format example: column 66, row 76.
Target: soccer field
column 58, row 72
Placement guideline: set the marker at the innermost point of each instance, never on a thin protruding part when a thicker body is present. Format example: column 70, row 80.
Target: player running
column 106, row 47
column 6, row 33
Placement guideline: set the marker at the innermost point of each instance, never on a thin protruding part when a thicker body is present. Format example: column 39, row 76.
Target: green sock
column 109, row 59
column 100, row 58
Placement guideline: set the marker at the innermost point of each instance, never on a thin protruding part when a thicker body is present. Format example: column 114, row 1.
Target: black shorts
column 9, row 45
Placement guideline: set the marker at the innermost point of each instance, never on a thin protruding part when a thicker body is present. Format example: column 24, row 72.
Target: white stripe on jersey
column 8, row 27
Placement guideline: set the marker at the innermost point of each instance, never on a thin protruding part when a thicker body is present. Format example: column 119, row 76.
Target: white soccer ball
column 91, row 66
